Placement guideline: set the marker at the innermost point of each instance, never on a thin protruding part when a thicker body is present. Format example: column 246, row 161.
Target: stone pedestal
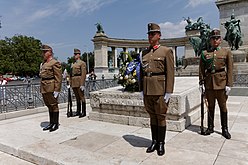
column 114, row 105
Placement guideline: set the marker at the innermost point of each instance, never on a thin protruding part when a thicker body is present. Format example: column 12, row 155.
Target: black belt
column 150, row 74
column 47, row 78
column 76, row 75
column 216, row 71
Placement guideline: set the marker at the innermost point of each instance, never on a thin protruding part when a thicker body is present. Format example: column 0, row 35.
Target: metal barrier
column 25, row 96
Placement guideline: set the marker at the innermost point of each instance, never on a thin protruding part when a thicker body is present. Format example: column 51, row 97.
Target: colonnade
column 102, row 43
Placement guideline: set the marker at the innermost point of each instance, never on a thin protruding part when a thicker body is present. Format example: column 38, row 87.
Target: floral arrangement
column 128, row 75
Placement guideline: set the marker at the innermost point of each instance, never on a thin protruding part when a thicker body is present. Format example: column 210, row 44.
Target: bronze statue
column 99, row 28
column 233, row 33
column 189, row 26
column 203, row 42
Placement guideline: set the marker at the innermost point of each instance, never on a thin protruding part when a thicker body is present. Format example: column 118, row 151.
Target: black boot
column 55, row 121
column 49, row 126
column 78, row 108
column 161, row 138
column 83, row 110
column 154, row 131
column 225, row 133
column 210, row 128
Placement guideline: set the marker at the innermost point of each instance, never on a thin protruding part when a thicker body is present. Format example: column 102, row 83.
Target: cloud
column 194, row 3
column 173, row 30
column 80, row 6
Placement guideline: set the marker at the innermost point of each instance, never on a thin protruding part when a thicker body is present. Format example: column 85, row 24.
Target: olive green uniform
column 51, row 79
column 157, row 79
column 215, row 72
column 77, row 79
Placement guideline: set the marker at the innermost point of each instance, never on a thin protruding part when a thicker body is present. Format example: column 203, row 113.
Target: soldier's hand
column 202, row 89
column 55, row 94
column 227, row 89
column 68, row 86
column 82, row 88
column 167, row 97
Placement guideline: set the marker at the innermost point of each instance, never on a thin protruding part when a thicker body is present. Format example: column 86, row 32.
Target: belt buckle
column 149, row 74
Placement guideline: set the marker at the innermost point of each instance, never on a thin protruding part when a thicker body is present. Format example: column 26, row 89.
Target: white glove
column 167, row 96
column 55, row 94
column 68, row 86
column 82, row 88
column 228, row 89
column 202, row 89
column 142, row 95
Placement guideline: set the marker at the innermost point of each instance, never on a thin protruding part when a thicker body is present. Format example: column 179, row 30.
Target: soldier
column 157, row 83
column 77, row 79
column 215, row 79
column 50, row 86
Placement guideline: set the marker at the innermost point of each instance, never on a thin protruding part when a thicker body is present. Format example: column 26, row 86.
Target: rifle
column 202, row 113
column 69, row 106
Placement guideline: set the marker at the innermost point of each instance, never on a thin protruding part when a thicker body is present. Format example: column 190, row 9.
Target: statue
column 189, row 26
column 99, row 28
column 233, row 33
column 203, row 42
column 198, row 25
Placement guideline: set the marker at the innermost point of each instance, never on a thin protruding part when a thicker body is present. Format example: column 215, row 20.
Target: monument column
column 101, row 53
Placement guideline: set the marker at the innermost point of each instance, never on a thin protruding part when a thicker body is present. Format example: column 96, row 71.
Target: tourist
column 77, row 79
column 157, row 83
column 51, row 79
column 216, row 79
column 3, row 82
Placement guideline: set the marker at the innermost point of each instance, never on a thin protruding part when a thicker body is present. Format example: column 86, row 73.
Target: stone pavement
column 80, row 141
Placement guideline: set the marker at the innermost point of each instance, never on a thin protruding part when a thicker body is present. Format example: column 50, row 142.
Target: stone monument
column 235, row 10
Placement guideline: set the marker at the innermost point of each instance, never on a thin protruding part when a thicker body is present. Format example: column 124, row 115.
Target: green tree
column 20, row 55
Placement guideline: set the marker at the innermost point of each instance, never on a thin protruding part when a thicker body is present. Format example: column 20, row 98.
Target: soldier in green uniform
column 216, row 80
column 77, row 79
column 50, row 86
column 157, row 83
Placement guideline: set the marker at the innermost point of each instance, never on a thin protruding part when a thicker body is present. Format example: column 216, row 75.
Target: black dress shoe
column 48, row 127
column 160, row 149
column 208, row 131
column 54, row 127
column 82, row 115
column 226, row 134
column 153, row 147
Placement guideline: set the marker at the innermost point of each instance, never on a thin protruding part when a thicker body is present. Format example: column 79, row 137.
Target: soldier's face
column 76, row 55
column 215, row 41
column 46, row 54
column 153, row 38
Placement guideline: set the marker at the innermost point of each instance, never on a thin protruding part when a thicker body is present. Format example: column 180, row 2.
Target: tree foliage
column 20, row 55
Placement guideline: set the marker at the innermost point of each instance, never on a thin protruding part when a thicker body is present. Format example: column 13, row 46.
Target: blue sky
column 68, row 24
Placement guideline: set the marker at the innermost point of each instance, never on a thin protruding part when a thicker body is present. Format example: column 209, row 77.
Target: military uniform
column 215, row 73
column 77, row 79
column 51, row 79
column 157, row 79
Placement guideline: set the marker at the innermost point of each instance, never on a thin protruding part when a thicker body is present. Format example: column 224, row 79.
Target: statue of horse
column 233, row 37
column 196, row 43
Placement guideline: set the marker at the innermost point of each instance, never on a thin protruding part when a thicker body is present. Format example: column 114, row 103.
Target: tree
column 20, row 55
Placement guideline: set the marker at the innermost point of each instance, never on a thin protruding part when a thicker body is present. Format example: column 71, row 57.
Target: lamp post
column 87, row 58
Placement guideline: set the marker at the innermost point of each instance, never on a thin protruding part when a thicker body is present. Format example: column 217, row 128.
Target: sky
column 69, row 24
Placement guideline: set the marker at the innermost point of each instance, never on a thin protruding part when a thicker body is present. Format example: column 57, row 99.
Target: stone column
column 101, row 54
column 114, row 57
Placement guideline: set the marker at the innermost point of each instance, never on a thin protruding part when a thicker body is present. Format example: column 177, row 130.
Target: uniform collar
column 155, row 47
column 217, row 48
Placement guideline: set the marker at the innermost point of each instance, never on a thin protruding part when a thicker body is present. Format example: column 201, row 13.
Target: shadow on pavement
column 137, row 141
